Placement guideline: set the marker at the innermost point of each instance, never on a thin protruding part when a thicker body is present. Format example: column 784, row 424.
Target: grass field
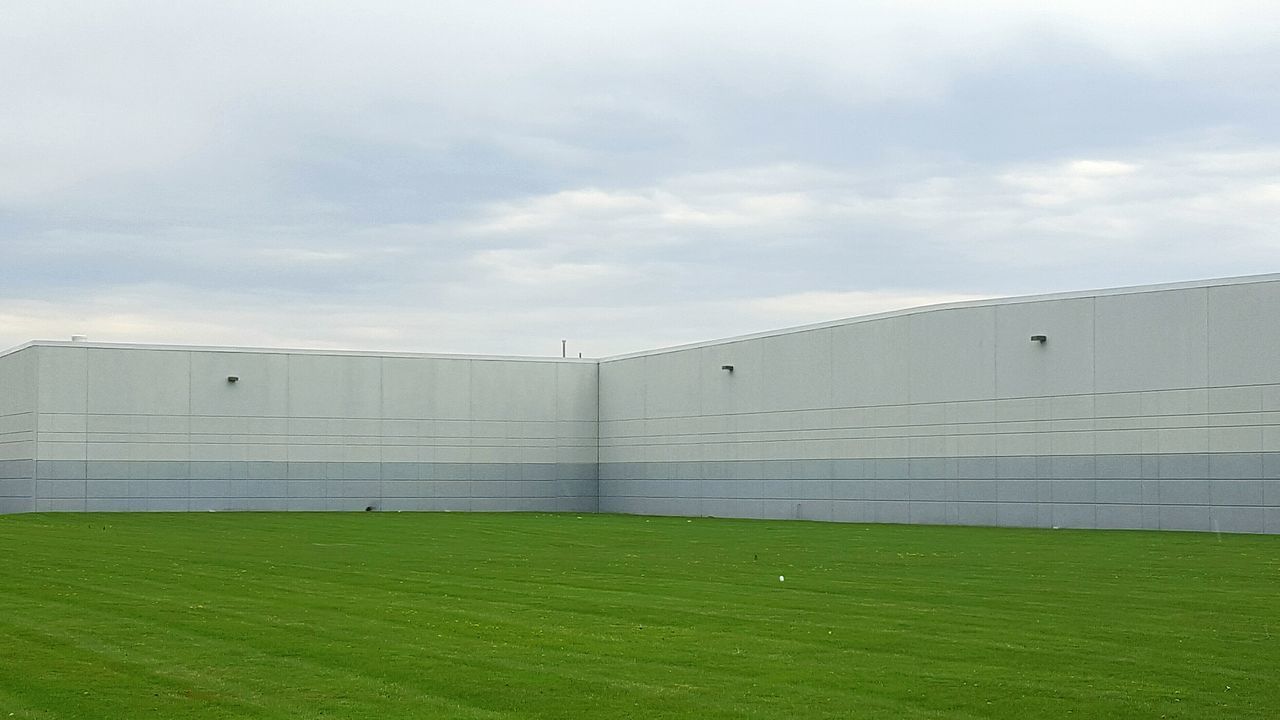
column 374, row 615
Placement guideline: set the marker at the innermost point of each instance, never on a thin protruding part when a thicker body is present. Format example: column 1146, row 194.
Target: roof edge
column 287, row 351
column 988, row 302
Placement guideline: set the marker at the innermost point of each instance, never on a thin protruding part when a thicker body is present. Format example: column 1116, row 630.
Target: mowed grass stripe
column 474, row 615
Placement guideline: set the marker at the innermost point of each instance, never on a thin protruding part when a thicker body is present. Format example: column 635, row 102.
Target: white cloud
column 620, row 270
column 128, row 88
column 805, row 307
column 493, row 176
column 1153, row 199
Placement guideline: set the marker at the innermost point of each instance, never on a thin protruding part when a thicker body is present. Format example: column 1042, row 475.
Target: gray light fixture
column 233, row 379
column 727, row 367
column 1039, row 338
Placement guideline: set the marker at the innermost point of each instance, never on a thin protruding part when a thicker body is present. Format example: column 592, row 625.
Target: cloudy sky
column 492, row 177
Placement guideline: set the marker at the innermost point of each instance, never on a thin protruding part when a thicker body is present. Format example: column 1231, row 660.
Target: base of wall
column 17, row 488
column 1213, row 518
column 199, row 486
column 1215, row 493
column 1219, row 492
column 274, row 504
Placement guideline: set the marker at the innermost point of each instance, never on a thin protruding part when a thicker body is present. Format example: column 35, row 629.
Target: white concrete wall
column 1157, row 408
column 126, row 428
column 1147, row 408
column 17, row 431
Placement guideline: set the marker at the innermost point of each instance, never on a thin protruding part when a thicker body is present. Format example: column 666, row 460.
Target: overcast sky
column 492, row 177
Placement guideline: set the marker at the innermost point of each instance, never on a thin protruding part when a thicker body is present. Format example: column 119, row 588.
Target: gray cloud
column 494, row 176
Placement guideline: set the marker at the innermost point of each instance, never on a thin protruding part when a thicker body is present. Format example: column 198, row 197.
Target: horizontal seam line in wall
column 1007, row 431
column 675, row 439
column 357, row 436
column 989, row 421
column 922, row 457
column 335, row 441
column 750, row 443
column 958, row 422
column 1024, row 398
column 111, row 437
column 305, row 418
column 958, row 501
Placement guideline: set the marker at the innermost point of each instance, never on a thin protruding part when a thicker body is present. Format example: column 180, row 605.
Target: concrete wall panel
column 672, row 385
column 18, row 403
column 1152, row 341
column 798, row 368
column 262, row 388
column 410, row 389
column 622, row 390
column 513, row 391
column 1061, row 366
column 142, row 382
column 952, row 355
column 18, row 382
column 870, row 363
column 577, row 402
column 62, row 379
column 334, row 386
column 1242, row 334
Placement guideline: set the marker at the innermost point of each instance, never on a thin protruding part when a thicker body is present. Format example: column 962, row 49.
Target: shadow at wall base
column 1198, row 518
column 835, row 491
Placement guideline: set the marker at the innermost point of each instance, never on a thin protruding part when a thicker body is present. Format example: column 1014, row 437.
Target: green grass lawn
column 380, row 615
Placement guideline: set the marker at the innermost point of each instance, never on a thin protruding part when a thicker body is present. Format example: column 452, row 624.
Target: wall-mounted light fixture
column 1039, row 338
column 728, row 368
column 233, row 379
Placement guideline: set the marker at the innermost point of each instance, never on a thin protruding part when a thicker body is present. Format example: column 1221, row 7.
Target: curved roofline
column 989, row 302
column 1017, row 299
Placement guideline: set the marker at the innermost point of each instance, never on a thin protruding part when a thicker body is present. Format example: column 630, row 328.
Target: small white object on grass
column 781, row 579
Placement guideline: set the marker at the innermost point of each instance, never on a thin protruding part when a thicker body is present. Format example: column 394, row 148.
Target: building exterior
column 1153, row 407
column 116, row 427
